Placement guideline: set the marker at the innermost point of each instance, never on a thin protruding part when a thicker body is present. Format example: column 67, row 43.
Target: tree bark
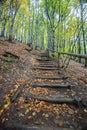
column 83, row 31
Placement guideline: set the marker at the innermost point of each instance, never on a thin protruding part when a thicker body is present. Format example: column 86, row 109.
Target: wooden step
column 52, row 78
column 43, row 55
column 15, row 95
column 52, row 85
column 54, row 100
column 47, row 62
column 39, row 54
column 44, row 59
column 18, row 126
column 44, row 68
column 48, row 65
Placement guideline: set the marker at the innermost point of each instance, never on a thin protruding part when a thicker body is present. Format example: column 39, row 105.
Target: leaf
column 29, row 117
column 34, row 114
column 26, row 111
column 18, row 109
column 21, row 115
column 71, row 112
column 1, row 78
column 60, row 124
column 37, row 123
column 85, row 110
column 1, row 111
column 42, row 123
column 46, row 115
column 70, row 126
column 4, row 119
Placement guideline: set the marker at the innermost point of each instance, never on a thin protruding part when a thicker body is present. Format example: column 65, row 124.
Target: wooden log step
column 13, row 98
column 44, row 59
column 17, row 126
column 43, row 55
column 46, row 62
column 30, row 49
column 44, row 68
column 52, row 78
column 54, row 100
column 52, row 85
column 48, row 65
column 39, row 54
column 10, row 54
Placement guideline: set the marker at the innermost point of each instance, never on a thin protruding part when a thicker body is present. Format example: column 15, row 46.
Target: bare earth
column 17, row 71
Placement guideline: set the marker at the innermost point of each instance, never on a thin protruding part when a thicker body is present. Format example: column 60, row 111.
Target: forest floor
column 17, row 75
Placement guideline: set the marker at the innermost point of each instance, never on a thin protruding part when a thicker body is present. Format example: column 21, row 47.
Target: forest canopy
column 57, row 24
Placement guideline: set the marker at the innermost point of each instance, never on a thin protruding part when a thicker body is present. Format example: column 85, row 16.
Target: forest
column 59, row 25
column 43, row 64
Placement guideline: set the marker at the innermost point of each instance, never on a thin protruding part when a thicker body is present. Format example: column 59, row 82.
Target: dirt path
column 17, row 77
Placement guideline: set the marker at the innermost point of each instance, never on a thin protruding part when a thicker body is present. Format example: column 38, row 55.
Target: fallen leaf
column 60, row 124
column 26, row 111
column 18, row 109
column 42, row 123
column 34, row 113
column 37, row 123
column 85, row 110
column 46, row 115
column 4, row 119
column 29, row 117
column 21, row 115
column 71, row 112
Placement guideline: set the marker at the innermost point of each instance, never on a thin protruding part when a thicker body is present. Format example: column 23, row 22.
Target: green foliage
column 57, row 22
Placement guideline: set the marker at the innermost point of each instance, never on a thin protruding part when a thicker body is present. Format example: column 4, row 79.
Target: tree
column 83, row 31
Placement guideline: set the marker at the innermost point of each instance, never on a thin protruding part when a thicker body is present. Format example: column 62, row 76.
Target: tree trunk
column 11, row 28
column 37, row 36
column 83, row 31
column 3, row 28
column 53, row 36
column 30, row 26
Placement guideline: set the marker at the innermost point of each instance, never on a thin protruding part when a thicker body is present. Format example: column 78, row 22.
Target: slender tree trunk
column 59, row 20
column 49, row 35
column 37, row 32
column 30, row 25
column 79, row 45
column 63, row 34
column 83, row 31
column 53, row 35
column 37, row 27
column 11, row 27
column 3, row 28
column 42, row 41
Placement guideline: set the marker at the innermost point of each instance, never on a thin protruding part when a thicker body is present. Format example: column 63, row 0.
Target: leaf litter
column 34, row 111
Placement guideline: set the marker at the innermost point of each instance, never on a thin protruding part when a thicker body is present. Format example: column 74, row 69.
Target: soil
column 16, row 70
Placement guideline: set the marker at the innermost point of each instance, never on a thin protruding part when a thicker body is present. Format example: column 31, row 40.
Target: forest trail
column 36, row 94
